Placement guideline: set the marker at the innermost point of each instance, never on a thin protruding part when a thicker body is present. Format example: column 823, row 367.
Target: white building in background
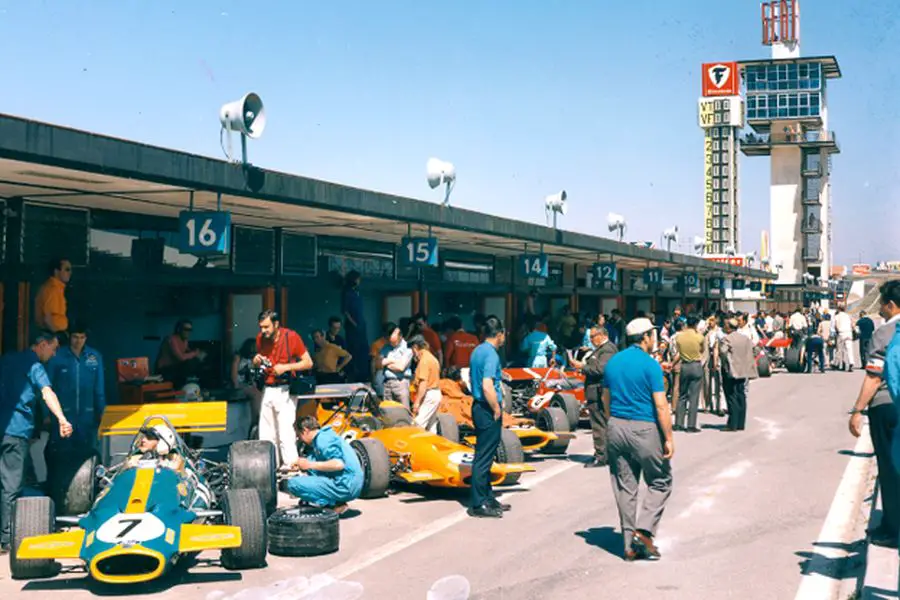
column 786, row 107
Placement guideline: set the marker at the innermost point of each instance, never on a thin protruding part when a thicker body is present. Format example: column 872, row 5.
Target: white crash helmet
column 166, row 437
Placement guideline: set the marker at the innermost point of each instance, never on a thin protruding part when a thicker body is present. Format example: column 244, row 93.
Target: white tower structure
column 787, row 109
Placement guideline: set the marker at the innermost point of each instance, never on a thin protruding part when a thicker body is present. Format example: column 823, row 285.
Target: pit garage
column 156, row 235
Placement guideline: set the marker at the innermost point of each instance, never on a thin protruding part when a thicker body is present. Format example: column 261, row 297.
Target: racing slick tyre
column 510, row 451
column 763, row 366
column 448, row 427
column 304, row 531
column 553, row 419
column 31, row 516
column 507, row 397
column 396, row 416
column 793, row 359
column 376, row 467
column 244, row 508
column 569, row 405
column 74, row 486
column 251, row 466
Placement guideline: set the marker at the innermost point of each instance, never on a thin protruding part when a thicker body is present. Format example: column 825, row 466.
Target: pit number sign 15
column 420, row 252
column 204, row 233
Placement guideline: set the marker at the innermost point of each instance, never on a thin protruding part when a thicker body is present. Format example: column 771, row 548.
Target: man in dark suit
column 593, row 366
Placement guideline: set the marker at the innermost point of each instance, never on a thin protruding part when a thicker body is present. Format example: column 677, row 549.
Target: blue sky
column 525, row 97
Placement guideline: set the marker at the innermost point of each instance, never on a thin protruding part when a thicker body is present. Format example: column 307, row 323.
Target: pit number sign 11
column 419, row 252
column 204, row 233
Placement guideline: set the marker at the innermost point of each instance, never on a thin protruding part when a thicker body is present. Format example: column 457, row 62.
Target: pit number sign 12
column 420, row 252
column 204, row 233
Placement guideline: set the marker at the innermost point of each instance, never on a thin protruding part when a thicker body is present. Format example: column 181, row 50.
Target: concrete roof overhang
column 58, row 165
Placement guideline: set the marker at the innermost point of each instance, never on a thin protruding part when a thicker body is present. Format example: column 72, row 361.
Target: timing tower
column 786, row 108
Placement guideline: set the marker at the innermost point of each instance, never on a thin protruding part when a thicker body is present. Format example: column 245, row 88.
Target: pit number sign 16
column 420, row 252
column 204, row 233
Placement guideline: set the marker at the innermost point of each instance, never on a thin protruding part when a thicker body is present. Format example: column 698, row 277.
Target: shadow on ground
column 155, row 587
column 856, row 454
column 834, row 568
column 605, row 538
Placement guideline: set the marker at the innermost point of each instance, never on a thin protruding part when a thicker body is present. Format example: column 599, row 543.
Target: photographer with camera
column 281, row 354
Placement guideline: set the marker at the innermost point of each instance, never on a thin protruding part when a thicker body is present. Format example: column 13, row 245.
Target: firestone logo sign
column 721, row 79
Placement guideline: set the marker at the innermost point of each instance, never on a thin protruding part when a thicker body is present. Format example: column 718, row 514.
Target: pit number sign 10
column 204, row 233
column 419, row 252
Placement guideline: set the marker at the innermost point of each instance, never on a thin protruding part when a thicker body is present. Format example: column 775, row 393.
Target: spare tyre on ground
column 251, row 466
column 304, row 531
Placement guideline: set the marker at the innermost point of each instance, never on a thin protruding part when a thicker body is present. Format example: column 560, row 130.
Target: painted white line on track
column 820, row 582
column 372, row 557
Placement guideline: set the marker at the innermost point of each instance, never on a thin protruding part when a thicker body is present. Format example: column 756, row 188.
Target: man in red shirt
column 459, row 345
column 283, row 353
column 420, row 325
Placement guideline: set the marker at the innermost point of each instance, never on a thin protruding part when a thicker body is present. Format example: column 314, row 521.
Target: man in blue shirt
column 76, row 373
column 332, row 475
column 22, row 380
column 485, row 375
column 639, row 441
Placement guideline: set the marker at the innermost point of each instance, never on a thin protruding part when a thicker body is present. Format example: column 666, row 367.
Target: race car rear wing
column 185, row 417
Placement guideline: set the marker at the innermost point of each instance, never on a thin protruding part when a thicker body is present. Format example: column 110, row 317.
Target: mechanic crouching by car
column 332, row 476
column 76, row 373
column 281, row 353
column 22, row 380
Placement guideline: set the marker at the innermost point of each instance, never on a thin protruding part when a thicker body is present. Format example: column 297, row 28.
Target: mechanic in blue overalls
column 332, row 474
column 77, row 376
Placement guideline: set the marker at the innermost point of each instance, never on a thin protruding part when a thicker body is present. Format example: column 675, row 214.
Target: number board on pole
column 653, row 276
column 534, row 266
column 690, row 281
column 755, row 286
column 606, row 271
column 716, row 283
column 419, row 252
column 738, row 284
column 204, row 233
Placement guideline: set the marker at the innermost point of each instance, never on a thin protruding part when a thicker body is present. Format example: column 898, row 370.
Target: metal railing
column 790, row 137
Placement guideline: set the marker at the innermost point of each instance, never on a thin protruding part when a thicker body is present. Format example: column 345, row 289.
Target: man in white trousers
column 844, row 327
column 428, row 390
column 284, row 354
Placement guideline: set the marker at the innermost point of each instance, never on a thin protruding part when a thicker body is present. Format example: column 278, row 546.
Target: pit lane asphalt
column 741, row 523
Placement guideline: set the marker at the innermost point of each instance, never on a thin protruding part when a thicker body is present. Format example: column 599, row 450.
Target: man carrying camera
column 281, row 353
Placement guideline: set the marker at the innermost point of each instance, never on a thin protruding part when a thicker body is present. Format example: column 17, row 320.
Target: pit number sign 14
column 420, row 252
column 534, row 266
column 204, row 233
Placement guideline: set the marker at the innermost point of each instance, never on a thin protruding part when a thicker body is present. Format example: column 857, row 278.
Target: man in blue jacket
column 76, row 373
column 332, row 475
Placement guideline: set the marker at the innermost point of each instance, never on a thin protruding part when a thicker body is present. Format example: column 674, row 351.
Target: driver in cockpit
column 157, row 443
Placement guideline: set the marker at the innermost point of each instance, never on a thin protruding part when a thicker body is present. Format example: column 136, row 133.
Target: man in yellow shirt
column 330, row 359
column 691, row 346
column 50, row 303
column 427, row 380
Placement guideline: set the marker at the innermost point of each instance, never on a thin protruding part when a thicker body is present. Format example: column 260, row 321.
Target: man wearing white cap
column 639, row 438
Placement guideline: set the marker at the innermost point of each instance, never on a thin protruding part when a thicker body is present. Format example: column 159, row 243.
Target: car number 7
column 129, row 525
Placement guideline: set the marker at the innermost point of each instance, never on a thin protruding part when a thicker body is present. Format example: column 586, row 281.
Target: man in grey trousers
column 639, row 442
